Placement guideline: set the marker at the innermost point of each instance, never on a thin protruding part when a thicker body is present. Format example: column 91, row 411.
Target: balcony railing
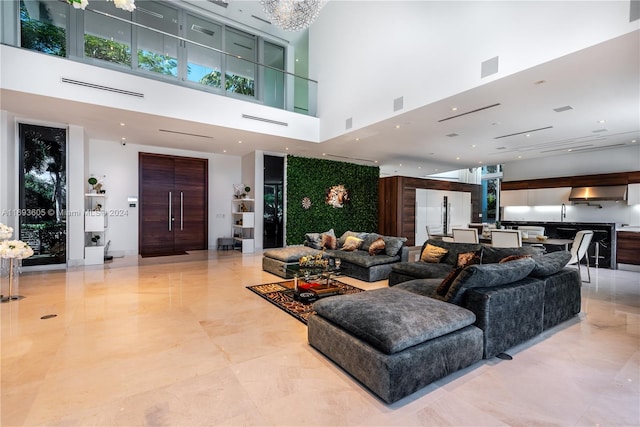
column 142, row 50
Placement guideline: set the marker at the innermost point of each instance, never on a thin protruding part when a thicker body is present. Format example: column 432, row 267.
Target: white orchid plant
column 16, row 249
column 5, row 232
column 127, row 5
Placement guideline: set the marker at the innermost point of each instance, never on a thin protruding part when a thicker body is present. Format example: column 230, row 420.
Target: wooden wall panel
column 621, row 178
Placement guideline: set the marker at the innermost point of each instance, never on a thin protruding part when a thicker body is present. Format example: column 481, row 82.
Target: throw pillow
column 432, row 253
column 513, row 258
column 368, row 240
column 443, row 288
column 468, row 258
column 328, row 241
column 351, row 243
column 342, row 239
column 392, row 245
column 550, row 263
column 376, row 247
column 313, row 240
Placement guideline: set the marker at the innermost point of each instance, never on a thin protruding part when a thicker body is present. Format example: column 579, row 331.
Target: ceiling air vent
column 561, row 109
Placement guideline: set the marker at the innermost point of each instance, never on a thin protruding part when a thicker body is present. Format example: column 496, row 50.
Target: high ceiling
column 597, row 91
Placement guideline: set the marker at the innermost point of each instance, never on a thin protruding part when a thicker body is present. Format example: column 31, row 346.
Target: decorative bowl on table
column 542, row 238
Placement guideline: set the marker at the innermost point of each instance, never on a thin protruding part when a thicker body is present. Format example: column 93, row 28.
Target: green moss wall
column 312, row 178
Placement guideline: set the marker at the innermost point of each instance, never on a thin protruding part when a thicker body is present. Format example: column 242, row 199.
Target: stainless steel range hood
column 613, row 193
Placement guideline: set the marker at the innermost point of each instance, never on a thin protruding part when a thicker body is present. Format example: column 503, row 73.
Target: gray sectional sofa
column 397, row 340
column 358, row 263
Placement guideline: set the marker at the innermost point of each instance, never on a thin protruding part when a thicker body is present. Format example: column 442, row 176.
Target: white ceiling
column 601, row 83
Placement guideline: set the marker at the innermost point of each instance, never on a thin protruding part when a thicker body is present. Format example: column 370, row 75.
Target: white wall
column 120, row 165
column 626, row 159
column 438, row 47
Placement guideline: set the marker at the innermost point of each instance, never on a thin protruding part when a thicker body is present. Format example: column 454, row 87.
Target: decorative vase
column 10, row 269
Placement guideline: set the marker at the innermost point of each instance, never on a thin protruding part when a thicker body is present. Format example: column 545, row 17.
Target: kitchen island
column 602, row 250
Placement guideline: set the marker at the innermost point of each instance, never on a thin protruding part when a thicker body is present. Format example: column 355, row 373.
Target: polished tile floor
column 179, row 341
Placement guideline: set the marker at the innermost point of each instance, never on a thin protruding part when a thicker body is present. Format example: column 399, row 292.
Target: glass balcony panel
column 241, row 68
column 43, row 26
column 204, row 65
column 107, row 39
column 157, row 51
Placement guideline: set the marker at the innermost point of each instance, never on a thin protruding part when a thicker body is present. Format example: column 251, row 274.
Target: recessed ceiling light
column 357, row 139
column 286, row 148
column 528, row 135
column 602, row 121
column 224, row 151
column 454, row 108
column 121, row 124
column 419, row 167
column 457, row 158
column 397, row 126
column 375, row 161
column 400, row 164
column 324, row 154
column 519, row 157
column 480, row 162
column 633, row 140
column 124, row 139
column 473, row 146
column 239, row 142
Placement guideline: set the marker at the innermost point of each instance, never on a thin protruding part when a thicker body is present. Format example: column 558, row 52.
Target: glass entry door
column 43, row 193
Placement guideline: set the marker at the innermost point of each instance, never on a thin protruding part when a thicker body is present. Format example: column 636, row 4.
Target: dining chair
column 532, row 230
column 506, row 239
column 579, row 251
column 465, row 235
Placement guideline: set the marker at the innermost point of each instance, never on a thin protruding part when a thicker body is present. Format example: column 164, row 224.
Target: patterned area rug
column 280, row 294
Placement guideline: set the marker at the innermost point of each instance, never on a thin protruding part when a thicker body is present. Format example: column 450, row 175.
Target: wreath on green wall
column 313, row 179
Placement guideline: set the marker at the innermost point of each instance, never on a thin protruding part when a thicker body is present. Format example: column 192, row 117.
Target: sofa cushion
column 424, row 287
column 377, row 247
column 363, row 259
column 392, row 245
column 464, row 259
column 550, row 263
column 454, row 249
column 351, row 243
column 432, row 253
column 491, row 255
column 422, row 270
column 392, row 320
column 290, row 253
column 488, row 275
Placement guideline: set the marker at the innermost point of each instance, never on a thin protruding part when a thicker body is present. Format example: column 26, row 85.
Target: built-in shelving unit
column 243, row 216
column 95, row 228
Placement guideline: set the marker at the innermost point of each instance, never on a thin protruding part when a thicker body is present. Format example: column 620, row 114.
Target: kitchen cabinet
column 548, row 196
column 514, row 198
column 628, row 247
column 535, row 197
column 633, row 194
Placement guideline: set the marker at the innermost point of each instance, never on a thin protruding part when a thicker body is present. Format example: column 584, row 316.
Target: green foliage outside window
column 42, row 36
column 233, row 83
column 312, row 178
column 161, row 64
column 107, row 50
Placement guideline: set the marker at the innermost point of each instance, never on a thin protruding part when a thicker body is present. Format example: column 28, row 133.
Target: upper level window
column 157, row 52
column 43, row 26
column 105, row 38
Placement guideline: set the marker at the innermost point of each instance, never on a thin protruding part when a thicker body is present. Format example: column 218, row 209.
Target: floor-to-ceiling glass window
column 107, row 39
column 157, row 50
column 204, row 65
column 491, row 177
column 241, row 71
column 274, row 79
column 43, row 193
column 43, row 26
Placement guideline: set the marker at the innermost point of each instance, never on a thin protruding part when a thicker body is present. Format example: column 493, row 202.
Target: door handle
column 170, row 217
column 181, row 211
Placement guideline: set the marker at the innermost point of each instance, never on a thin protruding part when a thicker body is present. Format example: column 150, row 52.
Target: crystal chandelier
column 292, row 15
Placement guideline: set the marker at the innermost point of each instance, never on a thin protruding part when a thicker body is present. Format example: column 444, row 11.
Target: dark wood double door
column 173, row 204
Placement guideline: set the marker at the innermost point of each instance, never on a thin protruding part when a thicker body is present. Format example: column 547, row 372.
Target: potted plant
column 95, row 239
column 92, row 182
